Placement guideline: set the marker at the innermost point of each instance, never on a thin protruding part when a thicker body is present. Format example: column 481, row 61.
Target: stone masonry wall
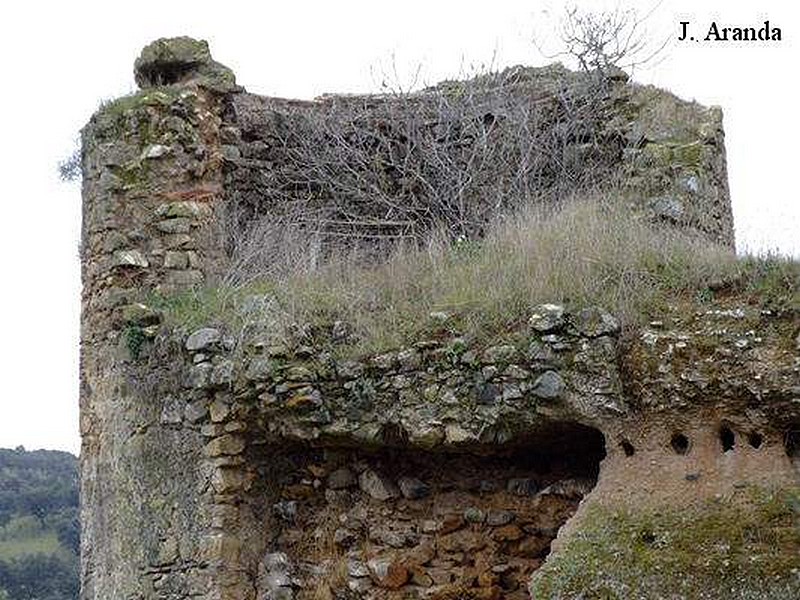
column 222, row 464
column 312, row 452
column 668, row 156
column 151, row 187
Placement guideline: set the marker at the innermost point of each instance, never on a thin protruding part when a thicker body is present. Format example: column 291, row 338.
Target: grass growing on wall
column 588, row 253
column 748, row 548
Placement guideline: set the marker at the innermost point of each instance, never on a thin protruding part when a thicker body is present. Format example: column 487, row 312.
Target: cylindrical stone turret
column 152, row 200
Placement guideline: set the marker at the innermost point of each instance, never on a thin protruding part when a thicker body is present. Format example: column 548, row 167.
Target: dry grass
column 371, row 171
column 588, row 252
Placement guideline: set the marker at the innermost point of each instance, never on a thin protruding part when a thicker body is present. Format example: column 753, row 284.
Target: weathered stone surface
column 341, row 479
column 203, row 339
column 547, row 318
column 286, row 510
column 357, row 568
column 569, row 488
column 670, row 209
column 199, row 376
column 225, row 445
column 412, row 488
column 176, row 260
column 388, row 574
column 178, row 226
column 139, row 314
column 181, row 60
column 130, row 258
column 548, row 385
column 522, row 486
column 497, row 518
column 594, row 322
column 504, row 353
column 155, row 151
column 186, row 209
column 377, row 485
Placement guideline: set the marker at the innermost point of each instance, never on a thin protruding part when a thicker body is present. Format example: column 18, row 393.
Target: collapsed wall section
column 195, row 447
column 386, row 524
column 372, row 171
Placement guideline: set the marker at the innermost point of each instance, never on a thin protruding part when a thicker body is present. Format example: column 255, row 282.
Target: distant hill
column 39, row 528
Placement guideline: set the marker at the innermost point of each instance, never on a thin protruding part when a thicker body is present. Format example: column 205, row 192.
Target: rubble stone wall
column 223, row 464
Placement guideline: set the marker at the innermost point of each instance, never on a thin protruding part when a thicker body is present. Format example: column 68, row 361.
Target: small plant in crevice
column 704, row 296
column 69, row 168
column 134, row 340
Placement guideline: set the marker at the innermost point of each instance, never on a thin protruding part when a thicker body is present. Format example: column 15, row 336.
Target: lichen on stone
column 181, row 60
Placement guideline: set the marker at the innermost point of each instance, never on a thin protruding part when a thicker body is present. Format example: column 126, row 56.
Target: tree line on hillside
column 39, row 526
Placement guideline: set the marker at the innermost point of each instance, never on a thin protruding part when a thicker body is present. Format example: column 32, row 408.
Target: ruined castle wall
column 209, row 456
column 393, row 167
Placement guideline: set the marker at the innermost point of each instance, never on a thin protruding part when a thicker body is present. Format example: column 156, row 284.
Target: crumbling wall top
column 181, row 60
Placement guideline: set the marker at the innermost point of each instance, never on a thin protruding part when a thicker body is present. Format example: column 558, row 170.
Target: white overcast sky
column 60, row 59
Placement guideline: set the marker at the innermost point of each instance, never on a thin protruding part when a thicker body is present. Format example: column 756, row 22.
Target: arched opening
column 727, row 438
column 167, row 73
column 679, row 443
column 391, row 522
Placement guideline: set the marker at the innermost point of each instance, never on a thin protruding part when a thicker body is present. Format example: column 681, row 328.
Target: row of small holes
column 680, row 443
column 627, row 448
column 727, row 439
column 792, row 442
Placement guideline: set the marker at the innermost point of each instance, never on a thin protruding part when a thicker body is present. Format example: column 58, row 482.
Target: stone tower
column 222, row 464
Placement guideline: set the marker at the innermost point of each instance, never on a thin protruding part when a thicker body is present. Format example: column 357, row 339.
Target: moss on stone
column 663, row 117
column 181, row 60
column 131, row 117
column 130, row 176
column 163, row 96
column 746, row 546
column 670, row 155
